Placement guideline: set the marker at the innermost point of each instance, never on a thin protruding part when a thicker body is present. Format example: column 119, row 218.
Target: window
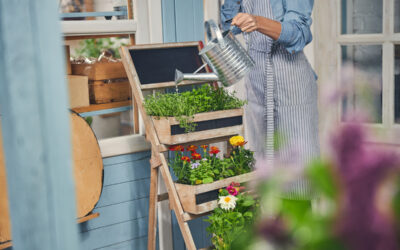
column 88, row 17
column 366, row 63
column 369, row 44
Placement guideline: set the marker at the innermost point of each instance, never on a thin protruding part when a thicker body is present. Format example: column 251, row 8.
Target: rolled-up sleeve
column 228, row 11
column 296, row 32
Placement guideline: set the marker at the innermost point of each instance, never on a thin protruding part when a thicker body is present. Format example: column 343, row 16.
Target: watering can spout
column 178, row 76
column 203, row 77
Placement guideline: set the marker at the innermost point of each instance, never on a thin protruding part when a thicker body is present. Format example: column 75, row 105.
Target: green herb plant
column 183, row 106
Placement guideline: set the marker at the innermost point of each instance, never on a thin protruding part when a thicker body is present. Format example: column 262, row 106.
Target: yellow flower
column 199, row 182
column 237, row 141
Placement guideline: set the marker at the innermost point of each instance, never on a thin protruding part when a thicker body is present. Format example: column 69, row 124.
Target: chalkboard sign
column 156, row 65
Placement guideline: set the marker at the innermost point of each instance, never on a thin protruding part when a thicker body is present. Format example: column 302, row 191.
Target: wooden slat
column 159, row 46
column 96, row 107
column 152, row 230
column 70, row 38
column 88, row 217
column 100, row 92
column 210, row 116
column 189, row 217
column 163, row 85
column 201, row 135
column 99, row 70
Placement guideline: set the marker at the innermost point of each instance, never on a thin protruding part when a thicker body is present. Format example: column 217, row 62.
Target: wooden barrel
column 88, row 174
column 88, row 165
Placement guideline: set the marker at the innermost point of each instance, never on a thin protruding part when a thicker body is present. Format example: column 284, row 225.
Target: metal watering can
column 228, row 60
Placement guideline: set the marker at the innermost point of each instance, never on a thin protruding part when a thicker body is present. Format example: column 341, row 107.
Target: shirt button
column 238, row 2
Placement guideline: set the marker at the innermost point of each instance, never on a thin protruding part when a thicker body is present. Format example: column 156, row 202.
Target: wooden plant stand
column 159, row 133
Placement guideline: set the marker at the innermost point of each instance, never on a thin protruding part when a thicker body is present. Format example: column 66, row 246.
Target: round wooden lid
column 88, row 173
column 88, row 165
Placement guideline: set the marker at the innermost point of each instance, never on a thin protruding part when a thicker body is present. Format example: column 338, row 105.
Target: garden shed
column 81, row 165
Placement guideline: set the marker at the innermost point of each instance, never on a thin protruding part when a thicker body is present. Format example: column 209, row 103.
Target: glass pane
column 397, row 16
column 397, row 84
column 93, row 9
column 364, row 86
column 112, row 125
column 362, row 16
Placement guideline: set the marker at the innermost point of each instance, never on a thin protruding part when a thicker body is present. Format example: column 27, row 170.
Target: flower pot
column 210, row 125
column 199, row 199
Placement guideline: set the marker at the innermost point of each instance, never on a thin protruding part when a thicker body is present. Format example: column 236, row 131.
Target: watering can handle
column 211, row 25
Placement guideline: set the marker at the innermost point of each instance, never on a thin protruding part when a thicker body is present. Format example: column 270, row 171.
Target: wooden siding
column 182, row 20
column 123, row 205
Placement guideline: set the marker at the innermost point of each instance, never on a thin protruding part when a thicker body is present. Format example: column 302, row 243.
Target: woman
column 281, row 88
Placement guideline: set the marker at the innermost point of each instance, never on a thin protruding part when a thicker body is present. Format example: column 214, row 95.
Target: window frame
column 387, row 39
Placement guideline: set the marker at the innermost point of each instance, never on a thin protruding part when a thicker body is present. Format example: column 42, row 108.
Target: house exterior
column 365, row 34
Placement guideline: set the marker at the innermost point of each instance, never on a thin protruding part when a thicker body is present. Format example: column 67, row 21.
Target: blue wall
column 123, row 205
column 183, row 20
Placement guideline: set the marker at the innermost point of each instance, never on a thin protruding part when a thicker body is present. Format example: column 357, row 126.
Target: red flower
column 192, row 148
column 204, row 147
column 185, row 159
column 177, row 148
column 214, row 150
column 196, row 156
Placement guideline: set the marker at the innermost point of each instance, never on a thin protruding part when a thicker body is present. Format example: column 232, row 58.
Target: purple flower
column 361, row 170
column 274, row 230
column 195, row 165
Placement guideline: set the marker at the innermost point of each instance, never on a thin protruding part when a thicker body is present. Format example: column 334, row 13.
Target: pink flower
column 233, row 190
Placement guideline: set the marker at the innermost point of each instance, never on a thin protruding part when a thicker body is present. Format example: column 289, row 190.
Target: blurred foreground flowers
column 359, row 188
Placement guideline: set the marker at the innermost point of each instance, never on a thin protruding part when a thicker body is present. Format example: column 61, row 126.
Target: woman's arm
column 293, row 31
column 250, row 23
column 229, row 10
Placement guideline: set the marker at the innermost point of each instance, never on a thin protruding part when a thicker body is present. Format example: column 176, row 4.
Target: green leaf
column 208, row 180
column 321, row 177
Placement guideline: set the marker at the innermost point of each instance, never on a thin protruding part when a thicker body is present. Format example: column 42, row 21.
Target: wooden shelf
column 4, row 245
column 88, row 217
column 103, row 109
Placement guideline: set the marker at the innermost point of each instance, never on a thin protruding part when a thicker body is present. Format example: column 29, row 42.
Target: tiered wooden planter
column 188, row 202
column 199, row 199
column 107, row 81
column 210, row 125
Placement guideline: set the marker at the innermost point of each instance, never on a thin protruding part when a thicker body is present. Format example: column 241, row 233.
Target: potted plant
column 200, row 114
column 234, row 215
column 201, row 174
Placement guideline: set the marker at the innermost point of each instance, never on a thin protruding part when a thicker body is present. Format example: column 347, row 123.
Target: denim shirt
column 294, row 15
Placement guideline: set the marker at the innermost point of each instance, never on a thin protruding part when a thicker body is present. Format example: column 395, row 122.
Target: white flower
column 227, row 202
column 204, row 159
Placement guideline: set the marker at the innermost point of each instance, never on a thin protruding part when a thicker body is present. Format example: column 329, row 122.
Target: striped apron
column 282, row 103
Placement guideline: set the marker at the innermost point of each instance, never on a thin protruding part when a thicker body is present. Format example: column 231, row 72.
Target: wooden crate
column 100, row 70
column 199, row 199
column 78, row 91
column 210, row 125
column 101, row 92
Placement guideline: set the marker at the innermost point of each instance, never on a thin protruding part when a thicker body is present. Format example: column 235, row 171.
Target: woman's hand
column 245, row 22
